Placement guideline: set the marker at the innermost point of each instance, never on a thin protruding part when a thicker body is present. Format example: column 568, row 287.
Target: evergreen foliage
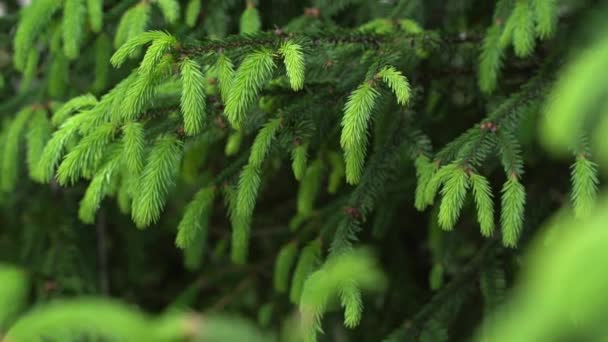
column 193, row 97
column 381, row 167
column 252, row 74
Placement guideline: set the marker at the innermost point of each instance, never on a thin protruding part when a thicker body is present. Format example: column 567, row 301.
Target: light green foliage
column 355, row 122
column 193, row 99
column 512, row 211
column 95, row 11
column 241, row 231
column 249, row 180
column 84, row 158
column 397, row 83
column 523, row 29
column 134, row 143
column 299, row 159
column 109, row 319
column 99, row 187
column 294, row 64
column 103, row 52
column 193, row 10
column 337, row 172
column 34, row 21
column 436, row 277
column 10, row 149
column 575, row 97
column 160, row 45
column 225, row 73
column 170, row 9
column 599, row 142
column 58, row 75
column 309, row 188
column 38, row 133
column 250, row 20
column 31, row 70
column 453, row 194
column 124, row 193
column 233, row 145
column 510, row 153
column 249, row 185
column 491, row 59
column 546, row 17
column 255, row 70
column 130, row 46
column 132, row 23
column 436, row 181
column 561, row 258
column 71, row 106
column 157, row 179
column 482, row 194
column 13, row 292
column 123, row 29
column 283, row 265
column 104, row 317
column 73, row 27
column 55, row 148
column 143, row 88
column 425, row 169
column 584, row 186
column 351, row 301
column 342, row 276
column 307, row 263
column 241, row 226
column 195, row 221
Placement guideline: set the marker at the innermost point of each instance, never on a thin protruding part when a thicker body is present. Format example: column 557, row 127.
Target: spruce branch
column 193, row 10
column 10, row 152
column 523, row 29
column 194, row 224
column 482, row 194
column 283, row 264
column 299, row 157
column 84, row 158
column 170, row 9
column 443, row 306
column 95, row 12
column 193, row 98
column 309, row 188
column 255, row 70
column 250, row 21
column 307, row 262
column 72, row 26
column 453, row 194
column 158, row 178
column 294, row 63
column 584, row 185
column 512, row 211
column 73, row 105
column 355, row 122
column 224, row 69
column 38, row 134
column 99, row 186
column 545, row 12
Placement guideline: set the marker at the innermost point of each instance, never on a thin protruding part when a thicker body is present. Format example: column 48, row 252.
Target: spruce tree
column 223, row 170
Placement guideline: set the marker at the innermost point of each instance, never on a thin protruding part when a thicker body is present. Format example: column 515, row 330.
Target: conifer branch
column 283, row 264
column 193, row 99
column 158, row 178
column 512, row 211
column 445, row 303
column 10, row 160
column 584, row 185
column 357, row 114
